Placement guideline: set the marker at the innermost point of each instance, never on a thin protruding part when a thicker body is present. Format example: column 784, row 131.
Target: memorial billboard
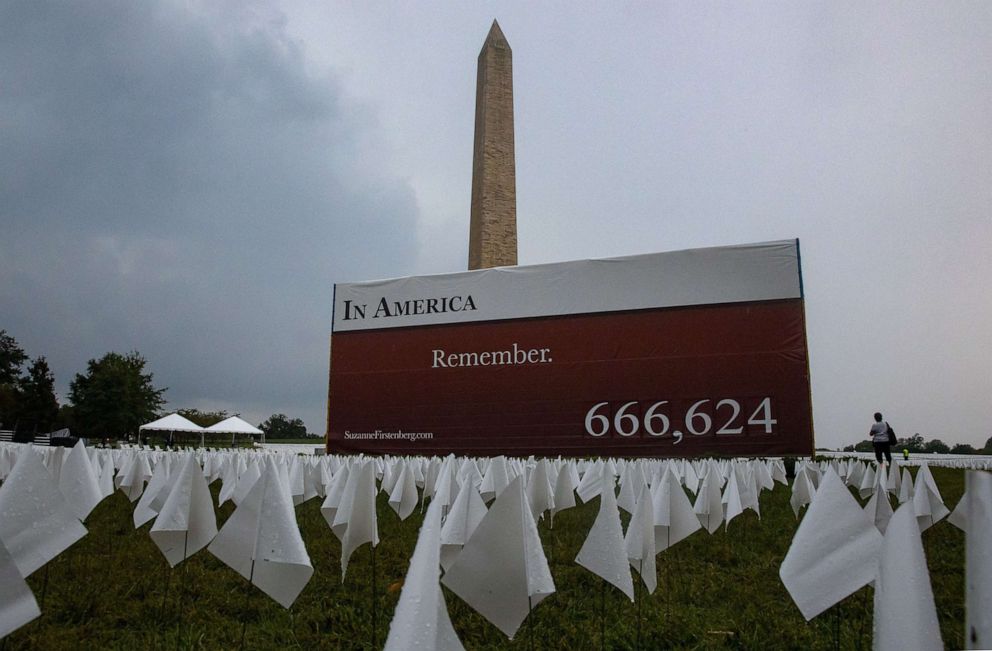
column 684, row 353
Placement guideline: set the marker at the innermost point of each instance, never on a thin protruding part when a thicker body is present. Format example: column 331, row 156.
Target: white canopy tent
column 173, row 423
column 235, row 426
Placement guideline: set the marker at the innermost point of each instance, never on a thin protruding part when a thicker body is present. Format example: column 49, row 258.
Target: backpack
column 891, row 433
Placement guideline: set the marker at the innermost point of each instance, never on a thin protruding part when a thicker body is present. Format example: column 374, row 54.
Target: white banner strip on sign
column 726, row 274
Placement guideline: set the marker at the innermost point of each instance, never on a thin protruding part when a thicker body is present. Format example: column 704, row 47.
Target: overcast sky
column 189, row 180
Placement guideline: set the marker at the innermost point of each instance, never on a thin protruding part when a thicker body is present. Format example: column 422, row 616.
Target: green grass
column 114, row 590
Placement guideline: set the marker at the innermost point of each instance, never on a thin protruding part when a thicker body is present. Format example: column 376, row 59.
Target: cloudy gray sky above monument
column 189, row 180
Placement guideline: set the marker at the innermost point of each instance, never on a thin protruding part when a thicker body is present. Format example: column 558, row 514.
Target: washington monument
column 492, row 238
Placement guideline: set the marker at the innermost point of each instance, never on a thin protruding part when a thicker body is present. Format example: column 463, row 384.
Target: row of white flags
column 491, row 556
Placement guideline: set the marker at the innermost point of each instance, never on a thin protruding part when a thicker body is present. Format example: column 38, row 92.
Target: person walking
column 879, row 435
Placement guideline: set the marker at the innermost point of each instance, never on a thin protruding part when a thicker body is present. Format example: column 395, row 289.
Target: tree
column 914, row 443
column 988, row 446
column 280, row 426
column 963, row 448
column 203, row 418
column 37, row 402
column 863, row 446
column 115, row 396
column 936, row 446
column 12, row 358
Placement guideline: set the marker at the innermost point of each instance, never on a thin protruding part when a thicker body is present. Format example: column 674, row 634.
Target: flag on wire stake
column 709, row 501
column 905, row 613
column 834, row 551
column 462, row 521
column 155, row 493
column 878, row 508
column 187, row 523
column 78, row 482
column 261, row 540
column 603, row 553
column 38, row 523
column 421, row 616
column 639, row 539
column 403, row 498
column 355, row 521
column 106, row 479
column 674, row 518
column 978, row 561
column 564, row 495
column 17, row 602
column 501, row 571
column 927, row 502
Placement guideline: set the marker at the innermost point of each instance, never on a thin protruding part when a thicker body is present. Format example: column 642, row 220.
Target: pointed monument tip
column 495, row 35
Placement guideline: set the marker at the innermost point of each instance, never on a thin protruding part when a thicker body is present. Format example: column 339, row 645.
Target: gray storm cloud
column 173, row 181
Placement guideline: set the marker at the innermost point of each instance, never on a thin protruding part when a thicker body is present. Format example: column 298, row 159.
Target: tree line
column 111, row 399
column 917, row 443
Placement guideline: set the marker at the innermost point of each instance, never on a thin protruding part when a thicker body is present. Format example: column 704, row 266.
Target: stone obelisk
column 492, row 238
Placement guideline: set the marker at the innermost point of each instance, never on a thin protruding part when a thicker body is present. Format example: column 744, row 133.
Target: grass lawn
column 114, row 590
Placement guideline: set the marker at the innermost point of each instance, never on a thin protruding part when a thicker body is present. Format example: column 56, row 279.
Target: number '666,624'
column 699, row 419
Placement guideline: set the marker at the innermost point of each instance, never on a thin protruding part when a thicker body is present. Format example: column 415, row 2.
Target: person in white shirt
column 879, row 435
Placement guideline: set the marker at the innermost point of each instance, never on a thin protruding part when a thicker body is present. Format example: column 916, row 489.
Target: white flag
column 731, row 499
column 802, row 491
column 709, row 501
column 403, row 498
column 17, row 602
column 186, row 523
column 674, row 518
column 334, row 491
column 78, row 482
column 927, row 502
column 978, row 562
column 355, row 521
column 564, row 497
column 462, row 521
column 261, row 540
column 131, row 479
column 639, row 540
column 879, row 509
column 905, row 614
column 834, row 551
column 906, row 488
column 540, row 494
column 154, row 496
column 246, row 480
column 421, row 618
column 603, row 552
column 496, row 479
column 502, row 572
column 37, row 524
column 106, row 479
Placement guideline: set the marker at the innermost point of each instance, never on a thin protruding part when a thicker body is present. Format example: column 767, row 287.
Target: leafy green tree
column 203, row 418
column 914, row 443
column 936, row 446
column 988, row 446
column 12, row 358
column 37, row 402
column 863, row 446
column 963, row 448
column 115, row 396
column 280, row 426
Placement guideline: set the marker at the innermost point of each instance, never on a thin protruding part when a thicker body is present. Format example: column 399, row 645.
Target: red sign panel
column 728, row 379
